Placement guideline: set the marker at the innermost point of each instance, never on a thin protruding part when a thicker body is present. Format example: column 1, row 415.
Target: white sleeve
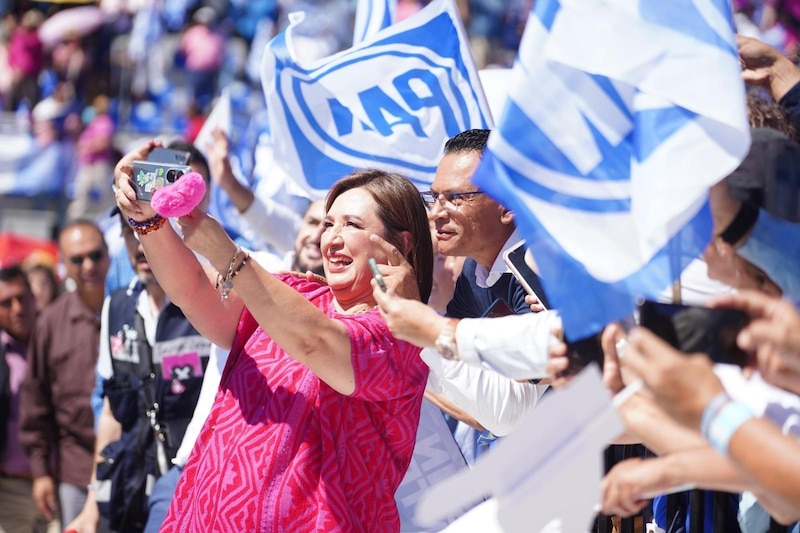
column 104, row 368
column 497, row 402
column 276, row 223
column 765, row 400
column 515, row 345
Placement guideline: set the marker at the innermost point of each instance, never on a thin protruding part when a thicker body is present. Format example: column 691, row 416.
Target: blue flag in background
column 621, row 115
column 390, row 102
column 372, row 16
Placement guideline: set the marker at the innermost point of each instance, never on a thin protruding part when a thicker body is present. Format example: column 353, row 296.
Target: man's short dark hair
column 195, row 156
column 11, row 273
column 467, row 141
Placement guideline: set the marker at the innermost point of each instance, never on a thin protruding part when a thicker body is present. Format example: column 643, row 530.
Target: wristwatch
column 446, row 343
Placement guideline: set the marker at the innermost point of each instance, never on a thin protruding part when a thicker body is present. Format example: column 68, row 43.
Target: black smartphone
column 697, row 329
column 497, row 309
column 582, row 352
column 150, row 176
column 514, row 258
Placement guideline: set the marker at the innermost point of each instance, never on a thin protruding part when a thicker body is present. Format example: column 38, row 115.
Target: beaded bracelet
column 241, row 266
column 226, row 282
column 147, row 226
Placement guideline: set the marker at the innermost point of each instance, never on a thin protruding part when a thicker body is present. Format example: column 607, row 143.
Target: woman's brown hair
column 400, row 208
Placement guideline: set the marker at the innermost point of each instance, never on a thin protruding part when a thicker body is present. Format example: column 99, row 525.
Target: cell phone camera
column 173, row 174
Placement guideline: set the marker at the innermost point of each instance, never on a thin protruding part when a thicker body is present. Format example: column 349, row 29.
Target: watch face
column 446, row 344
column 447, row 353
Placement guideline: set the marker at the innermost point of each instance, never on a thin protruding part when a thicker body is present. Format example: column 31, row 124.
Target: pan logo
column 384, row 114
column 398, row 119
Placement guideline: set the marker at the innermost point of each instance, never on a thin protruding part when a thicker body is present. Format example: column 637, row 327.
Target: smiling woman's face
column 346, row 247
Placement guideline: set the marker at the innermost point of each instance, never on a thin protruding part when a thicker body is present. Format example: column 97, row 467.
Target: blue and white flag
column 220, row 205
column 372, row 16
column 622, row 114
column 390, row 102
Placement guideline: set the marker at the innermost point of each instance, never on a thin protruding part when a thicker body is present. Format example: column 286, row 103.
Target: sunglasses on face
column 93, row 256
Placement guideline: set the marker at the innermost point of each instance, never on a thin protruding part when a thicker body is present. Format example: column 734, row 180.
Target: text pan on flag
column 621, row 116
column 389, row 103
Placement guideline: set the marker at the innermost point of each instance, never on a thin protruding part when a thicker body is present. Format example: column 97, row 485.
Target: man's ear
column 506, row 215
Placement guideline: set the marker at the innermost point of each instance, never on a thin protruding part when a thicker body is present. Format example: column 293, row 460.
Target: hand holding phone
column 162, row 167
column 582, row 352
column 373, row 265
column 690, row 329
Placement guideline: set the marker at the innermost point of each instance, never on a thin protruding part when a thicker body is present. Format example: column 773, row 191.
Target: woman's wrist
column 143, row 227
column 783, row 76
column 235, row 265
column 722, row 418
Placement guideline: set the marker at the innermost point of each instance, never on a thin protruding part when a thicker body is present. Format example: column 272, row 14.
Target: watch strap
column 446, row 343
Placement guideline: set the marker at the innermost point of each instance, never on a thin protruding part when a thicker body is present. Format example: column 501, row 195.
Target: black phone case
column 693, row 329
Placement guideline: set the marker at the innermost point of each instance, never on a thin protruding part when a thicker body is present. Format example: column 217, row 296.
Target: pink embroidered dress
column 281, row 451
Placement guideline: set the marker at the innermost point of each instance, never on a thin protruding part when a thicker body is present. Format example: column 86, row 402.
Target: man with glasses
column 56, row 420
column 469, row 223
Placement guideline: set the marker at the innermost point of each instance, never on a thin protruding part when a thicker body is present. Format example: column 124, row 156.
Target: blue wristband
column 729, row 418
column 711, row 410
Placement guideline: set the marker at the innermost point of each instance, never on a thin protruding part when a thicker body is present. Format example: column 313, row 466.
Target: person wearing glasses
column 471, row 224
column 56, row 420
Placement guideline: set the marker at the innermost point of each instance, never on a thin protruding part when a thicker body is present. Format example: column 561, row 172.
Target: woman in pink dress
column 316, row 415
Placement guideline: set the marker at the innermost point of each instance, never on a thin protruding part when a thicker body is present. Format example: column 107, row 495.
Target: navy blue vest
column 176, row 365
column 471, row 301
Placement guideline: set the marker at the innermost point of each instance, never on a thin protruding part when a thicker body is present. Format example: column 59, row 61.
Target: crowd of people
column 181, row 379
column 131, row 69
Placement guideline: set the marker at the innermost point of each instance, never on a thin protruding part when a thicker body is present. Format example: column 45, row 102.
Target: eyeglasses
column 94, row 257
column 450, row 201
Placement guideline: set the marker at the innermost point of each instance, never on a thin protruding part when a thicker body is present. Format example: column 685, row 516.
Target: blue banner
column 621, row 116
column 390, row 102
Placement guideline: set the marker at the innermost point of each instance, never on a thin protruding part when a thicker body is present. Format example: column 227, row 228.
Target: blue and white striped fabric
column 372, row 16
column 390, row 102
column 622, row 114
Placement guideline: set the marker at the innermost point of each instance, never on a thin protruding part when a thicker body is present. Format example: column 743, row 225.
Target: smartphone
column 583, row 352
column 497, row 309
column 377, row 274
column 697, row 329
column 169, row 156
column 514, row 257
column 150, row 176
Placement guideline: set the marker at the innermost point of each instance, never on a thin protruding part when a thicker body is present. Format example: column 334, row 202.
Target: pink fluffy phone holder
column 180, row 197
